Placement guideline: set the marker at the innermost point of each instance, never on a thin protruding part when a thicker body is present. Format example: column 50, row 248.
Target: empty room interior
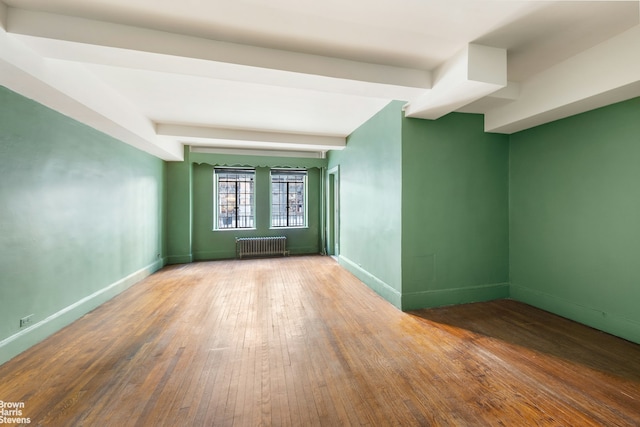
column 319, row 213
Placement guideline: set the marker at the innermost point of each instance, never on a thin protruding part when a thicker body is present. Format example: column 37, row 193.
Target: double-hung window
column 288, row 198
column 235, row 198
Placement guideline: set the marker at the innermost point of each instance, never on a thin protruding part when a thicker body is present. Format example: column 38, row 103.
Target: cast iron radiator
column 261, row 246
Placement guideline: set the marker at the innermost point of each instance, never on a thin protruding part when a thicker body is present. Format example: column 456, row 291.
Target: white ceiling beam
column 257, row 152
column 606, row 73
column 212, row 135
column 45, row 32
column 498, row 98
column 508, row 93
column 475, row 72
column 62, row 86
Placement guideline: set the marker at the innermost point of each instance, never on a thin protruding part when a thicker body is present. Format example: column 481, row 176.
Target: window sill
column 289, row 228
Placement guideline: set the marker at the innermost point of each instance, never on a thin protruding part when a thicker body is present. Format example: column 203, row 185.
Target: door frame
column 333, row 211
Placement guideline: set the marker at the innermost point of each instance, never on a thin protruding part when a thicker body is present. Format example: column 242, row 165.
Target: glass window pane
column 288, row 190
column 236, row 201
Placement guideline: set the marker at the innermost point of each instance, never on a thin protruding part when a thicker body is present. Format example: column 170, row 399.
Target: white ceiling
column 303, row 74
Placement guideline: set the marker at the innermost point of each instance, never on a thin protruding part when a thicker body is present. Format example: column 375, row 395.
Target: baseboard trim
column 213, row 255
column 444, row 297
column 304, row 250
column 179, row 259
column 28, row 337
column 614, row 324
column 382, row 288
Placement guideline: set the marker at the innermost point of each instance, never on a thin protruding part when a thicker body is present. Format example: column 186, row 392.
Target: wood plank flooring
column 300, row 342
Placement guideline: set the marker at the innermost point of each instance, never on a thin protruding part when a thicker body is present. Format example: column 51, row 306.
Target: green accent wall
column 455, row 243
column 81, row 219
column 190, row 204
column 370, row 188
column 575, row 218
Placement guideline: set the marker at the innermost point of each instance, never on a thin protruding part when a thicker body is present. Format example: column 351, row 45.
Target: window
column 235, row 200
column 288, row 198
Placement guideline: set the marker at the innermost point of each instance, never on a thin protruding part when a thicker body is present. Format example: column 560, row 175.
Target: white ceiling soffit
column 474, row 73
column 301, row 76
column 606, row 73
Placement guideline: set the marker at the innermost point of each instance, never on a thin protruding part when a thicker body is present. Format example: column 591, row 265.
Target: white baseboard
column 445, row 297
column 382, row 288
column 28, row 337
column 611, row 323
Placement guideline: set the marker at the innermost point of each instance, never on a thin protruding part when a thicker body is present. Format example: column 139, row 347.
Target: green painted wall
column 370, row 188
column 455, row 242
column 431, row 213
column 178, row 210
column 575, row 218
column 424, row 209
column 189, row 223
column 209, row 244
column 80, row 219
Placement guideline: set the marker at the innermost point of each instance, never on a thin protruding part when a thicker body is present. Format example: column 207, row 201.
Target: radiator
column 261, row 246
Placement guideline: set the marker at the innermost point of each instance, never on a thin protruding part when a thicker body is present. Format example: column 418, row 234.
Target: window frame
column 217, row 172
column 305, row 190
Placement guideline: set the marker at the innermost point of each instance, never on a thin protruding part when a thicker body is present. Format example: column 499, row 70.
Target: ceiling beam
column 606, row 73
column 69, row 38
column 62, row 86
column 211, row 136
column 498, row 98
column 258, row 152
column 475, row 72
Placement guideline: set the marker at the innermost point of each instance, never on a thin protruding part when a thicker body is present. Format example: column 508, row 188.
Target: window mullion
column 288, row 207
column 235, row 204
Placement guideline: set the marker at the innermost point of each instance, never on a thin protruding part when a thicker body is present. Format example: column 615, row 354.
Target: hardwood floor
column 299, row 341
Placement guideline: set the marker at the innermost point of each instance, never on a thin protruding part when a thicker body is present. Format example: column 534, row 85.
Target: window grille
column 288, row 198
column 235, row 201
